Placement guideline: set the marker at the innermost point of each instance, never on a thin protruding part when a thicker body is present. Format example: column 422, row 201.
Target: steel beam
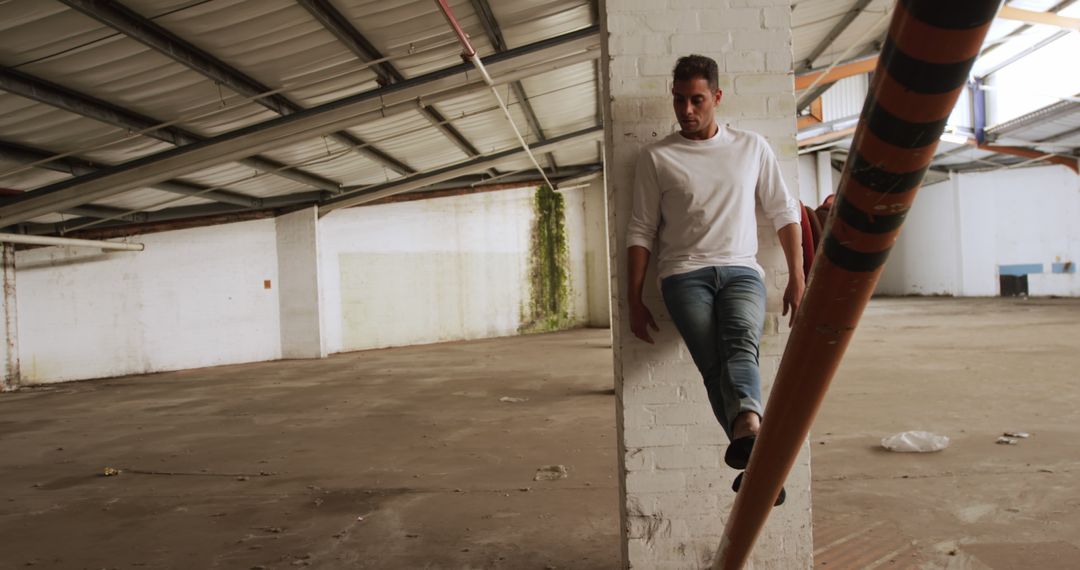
column 25, row 85
column 848, row 69
column 1035, row 155
column 840, row 27
column 1053, row 9
column 337, row 24
column 1033, row 17
column 22, row 154
column 167, row 214
column 176, row 219
column 1061, row 136
column 80, row 166
column 1017, row 57
column 43, row 240
column 540, row 57
column 372, row 193
column 804, row 100
column 130, row 23
column 1047, row 113
column 494, row 34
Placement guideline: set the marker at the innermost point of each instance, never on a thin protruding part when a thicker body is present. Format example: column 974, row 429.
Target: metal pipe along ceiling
column 46, row 240
column 469, row 53
column 926, row 59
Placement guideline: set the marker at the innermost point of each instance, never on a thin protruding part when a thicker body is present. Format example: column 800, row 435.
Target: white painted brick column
column 597, row 255
column 675, row 489
column 298, row 284
column 9, row 321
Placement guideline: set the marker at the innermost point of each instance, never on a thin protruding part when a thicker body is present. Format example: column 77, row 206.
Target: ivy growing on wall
column 549, row 278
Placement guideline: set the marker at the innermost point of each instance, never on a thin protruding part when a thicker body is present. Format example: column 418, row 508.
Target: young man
column 696, row 191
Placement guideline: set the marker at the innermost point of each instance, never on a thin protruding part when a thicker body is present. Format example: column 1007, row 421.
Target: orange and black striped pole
column 921, row 72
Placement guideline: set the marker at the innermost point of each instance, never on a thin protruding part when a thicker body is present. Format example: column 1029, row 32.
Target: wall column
column 596, row 254
column 298, row 284
column 675, row 490
column 9, row 352
column 824, row 176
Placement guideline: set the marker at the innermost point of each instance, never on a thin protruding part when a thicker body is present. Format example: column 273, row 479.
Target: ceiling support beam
column 1017, row 57
column 372, row 193
column 826, row 83
column 1061, row 136
column 79, row 167
column 130, row 23
column 337, row 24
column 68, row 242
column 180, row 218
column 515, row 64
column 842, row 71
column 1047, row 113
column 827, row 137
column 494, row 34
column 42, row 91
column 816, row 116
column 1037, row 156
column 1053, row 9
column 1032, row 17
column 840, row 27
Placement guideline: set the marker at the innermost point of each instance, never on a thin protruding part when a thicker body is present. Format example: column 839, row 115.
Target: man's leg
column 690, row 299
column 740, row 313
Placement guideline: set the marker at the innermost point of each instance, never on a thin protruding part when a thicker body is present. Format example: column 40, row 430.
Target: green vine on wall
column 549, row 277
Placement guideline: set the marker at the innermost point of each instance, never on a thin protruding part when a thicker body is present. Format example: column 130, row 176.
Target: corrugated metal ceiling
column 281, row 45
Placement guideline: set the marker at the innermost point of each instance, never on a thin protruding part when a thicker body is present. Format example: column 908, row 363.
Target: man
column 696, row 190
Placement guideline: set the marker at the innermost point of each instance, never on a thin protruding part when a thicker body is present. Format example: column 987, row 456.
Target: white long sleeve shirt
column 698, row 197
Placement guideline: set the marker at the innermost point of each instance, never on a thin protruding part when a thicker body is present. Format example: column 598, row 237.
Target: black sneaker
column 779, row 499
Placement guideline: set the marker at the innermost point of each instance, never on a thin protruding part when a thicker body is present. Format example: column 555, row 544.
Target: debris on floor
column 1006, row 441
column 915, row 442
column 1017, row 434
column 550, row 473
column 512, row 400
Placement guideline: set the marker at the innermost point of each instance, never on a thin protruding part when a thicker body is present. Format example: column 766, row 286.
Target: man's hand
column 641, row 320
column 791, row 240
column 793, row 296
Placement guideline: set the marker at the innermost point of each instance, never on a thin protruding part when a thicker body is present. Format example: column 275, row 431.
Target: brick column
column 675, row 490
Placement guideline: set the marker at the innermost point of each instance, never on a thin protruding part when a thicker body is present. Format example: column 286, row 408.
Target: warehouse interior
column 349, row 299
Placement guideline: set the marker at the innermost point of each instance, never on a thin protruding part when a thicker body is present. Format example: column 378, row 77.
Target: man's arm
column 791, row 240
column 640, row 316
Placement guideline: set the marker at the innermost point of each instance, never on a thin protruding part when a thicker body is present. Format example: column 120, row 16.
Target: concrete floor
column 407, row 458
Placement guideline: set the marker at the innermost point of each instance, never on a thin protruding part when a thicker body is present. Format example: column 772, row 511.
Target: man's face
column 694, row 103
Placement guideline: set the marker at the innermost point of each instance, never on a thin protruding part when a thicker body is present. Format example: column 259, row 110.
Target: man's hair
column 692, row 66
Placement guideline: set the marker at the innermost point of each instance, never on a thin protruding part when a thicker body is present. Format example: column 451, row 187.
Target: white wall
column 413, row 272
column 924, row 259
column 808, row 179
column 960, row 231
column 193, row 298
column 435, row 270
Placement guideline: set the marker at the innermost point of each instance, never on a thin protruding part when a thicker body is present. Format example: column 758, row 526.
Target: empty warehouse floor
column 425, row 456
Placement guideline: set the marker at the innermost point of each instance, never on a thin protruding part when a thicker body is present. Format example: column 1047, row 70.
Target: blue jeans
column 720, row 312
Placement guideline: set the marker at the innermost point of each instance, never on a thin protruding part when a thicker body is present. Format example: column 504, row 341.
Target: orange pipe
column 925, row 61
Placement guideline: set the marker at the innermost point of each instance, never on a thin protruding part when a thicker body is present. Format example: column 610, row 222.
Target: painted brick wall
column 675, row 488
